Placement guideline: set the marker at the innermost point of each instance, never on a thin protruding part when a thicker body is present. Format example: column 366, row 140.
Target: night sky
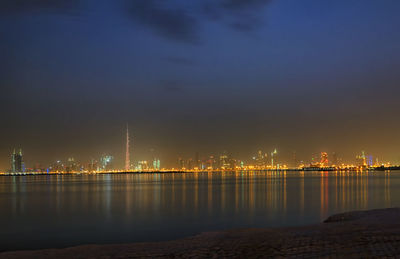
column 202, row 75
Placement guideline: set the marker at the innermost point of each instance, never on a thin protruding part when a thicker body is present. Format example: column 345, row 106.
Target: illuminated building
column 189, row 164
column 17, row 164
column 72, row 166
column 224, row 161
column 58, row 166
column 106, row 162
column 370, row 160
column 197, row 160
column 127, row 154
column 273, row 156
column 361, row 160
column 181, row 163
column 324, row 159
column 92, row 165
column 156, row 164
column 211, row 163
column 260, row 160
column 142, row 165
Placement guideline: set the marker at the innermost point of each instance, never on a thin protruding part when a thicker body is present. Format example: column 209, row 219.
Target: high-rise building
column 197, row 160
column 324, row 159
column 17, row 162
column 92, row 165
column 156, row 164
column 127, row 154
column 361, row 160
column 142, row 165
column 106, row 163
column 224, row 161
column 273, row 158
column 260, row 160
column 181, row 163
column 370, row 160
column 72, row 165
column 189, row 164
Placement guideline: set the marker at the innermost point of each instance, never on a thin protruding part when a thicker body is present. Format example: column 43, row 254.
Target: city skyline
column 261, row 159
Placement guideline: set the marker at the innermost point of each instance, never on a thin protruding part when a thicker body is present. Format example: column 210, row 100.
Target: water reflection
column 63, row 210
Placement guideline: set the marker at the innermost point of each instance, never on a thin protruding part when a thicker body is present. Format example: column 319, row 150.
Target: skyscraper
column 127, row 154
column 156, row 164
column 17, row 162
column 324, row 159
column 106, row 163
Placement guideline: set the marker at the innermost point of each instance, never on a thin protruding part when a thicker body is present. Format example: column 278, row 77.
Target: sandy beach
column 359, row 234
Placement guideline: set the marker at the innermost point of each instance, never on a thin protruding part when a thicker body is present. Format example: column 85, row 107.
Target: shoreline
column 389, row 169
column 360, row 234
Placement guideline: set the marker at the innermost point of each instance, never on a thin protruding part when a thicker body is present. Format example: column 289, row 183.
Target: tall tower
column 127, row 155
column 17, row 162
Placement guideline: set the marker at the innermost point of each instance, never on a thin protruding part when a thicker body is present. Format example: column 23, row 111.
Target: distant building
column 210, row 164
column 17, row 162
column 72, row 166
column 324, row 159
column 156, row 164
column 92, row 166
column 224, row 161
column 189, row 164
column 197, row 161
column 361, row 160
column 274, row 159
column 181, row 163
column 106, row 162
column 260, row 160
column 142, row 165
column 58, row 166
column 370, row 160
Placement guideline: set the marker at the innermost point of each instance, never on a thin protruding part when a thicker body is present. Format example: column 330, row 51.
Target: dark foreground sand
column 363, row 234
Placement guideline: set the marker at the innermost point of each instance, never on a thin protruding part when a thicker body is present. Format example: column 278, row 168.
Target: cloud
column 172, row 19
column 165, row 18
column 182, row 22
column 20, row 6
column 240, row 15
column 244, row 4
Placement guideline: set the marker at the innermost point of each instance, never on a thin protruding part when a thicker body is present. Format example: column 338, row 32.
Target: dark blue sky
column 207, row 76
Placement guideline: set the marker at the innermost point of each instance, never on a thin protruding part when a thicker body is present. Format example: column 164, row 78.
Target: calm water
column 59, row 211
